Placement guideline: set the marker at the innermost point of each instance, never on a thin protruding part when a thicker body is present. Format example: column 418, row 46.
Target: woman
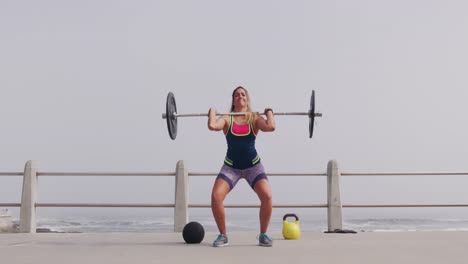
column 241, row 161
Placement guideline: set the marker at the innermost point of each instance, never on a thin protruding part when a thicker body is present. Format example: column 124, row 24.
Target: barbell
column 171, row 114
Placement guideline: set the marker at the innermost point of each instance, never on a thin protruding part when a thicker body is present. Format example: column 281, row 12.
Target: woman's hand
column 267, row 110
column 214, row 123
column 212, row 113
column 268, row 124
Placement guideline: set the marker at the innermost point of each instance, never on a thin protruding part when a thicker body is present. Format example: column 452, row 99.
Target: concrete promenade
column 312, row 247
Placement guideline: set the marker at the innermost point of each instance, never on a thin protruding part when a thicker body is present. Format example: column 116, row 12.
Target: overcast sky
column 83, row 85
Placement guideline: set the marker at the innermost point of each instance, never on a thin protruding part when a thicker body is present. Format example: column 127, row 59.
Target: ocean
column 161, row 220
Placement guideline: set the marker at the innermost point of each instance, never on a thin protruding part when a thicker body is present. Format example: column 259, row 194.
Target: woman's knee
column 217, row 196
column 263, row 191
column 219, row 192
column 266, row 197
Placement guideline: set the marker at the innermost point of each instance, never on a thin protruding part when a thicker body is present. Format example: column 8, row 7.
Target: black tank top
column 241, row 152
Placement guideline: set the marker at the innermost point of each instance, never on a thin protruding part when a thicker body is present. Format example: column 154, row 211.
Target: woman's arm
column 215, row 124
column 268, row 124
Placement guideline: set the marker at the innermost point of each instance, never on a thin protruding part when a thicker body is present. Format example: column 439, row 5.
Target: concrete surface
column 312, row 247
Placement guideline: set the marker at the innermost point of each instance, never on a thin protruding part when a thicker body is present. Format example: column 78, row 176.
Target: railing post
column 181, row 197
column 28, row 198
column 334, row 201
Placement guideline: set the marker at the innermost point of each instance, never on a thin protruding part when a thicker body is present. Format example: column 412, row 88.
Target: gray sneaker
column 221, row 241
column 264, row 240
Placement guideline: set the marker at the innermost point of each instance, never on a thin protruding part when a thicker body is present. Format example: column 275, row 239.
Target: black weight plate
column 312, row 114
column 171, row 120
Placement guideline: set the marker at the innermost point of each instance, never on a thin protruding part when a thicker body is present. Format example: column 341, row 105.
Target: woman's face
column 240, row 98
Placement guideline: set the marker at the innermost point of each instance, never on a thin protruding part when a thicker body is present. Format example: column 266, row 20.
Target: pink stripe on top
column 240, row 129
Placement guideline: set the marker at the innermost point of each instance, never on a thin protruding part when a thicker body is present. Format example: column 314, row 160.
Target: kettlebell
column 291, row 230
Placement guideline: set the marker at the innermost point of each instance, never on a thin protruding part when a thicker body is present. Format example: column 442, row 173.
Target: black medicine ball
column 193, row 233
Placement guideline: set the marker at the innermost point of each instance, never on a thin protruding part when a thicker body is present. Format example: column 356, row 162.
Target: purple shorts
column 252, row 175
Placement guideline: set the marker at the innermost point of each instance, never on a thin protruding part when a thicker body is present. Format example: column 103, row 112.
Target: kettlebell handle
column 290, row 215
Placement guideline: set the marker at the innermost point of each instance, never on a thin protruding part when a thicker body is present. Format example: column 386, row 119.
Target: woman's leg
column 220, row 189
column 263, row 190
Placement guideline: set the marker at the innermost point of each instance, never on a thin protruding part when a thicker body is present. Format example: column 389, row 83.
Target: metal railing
column 181, row 203
column 144, row 205
column 405, row 174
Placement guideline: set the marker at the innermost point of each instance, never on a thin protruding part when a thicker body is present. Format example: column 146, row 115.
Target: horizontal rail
column 104, row 205
column 269, row 174
column 11, row 173
column 215, row 173
column 257, row 206
column 233, row 205
column 246, row 205
column 10, row 204
column 295, row 174
column 404, row 174
column 400, row 205
column 106, row 174
column 160, row 205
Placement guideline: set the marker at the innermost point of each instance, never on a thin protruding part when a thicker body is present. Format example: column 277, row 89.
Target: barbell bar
column 164, row 115
column 171, row 115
